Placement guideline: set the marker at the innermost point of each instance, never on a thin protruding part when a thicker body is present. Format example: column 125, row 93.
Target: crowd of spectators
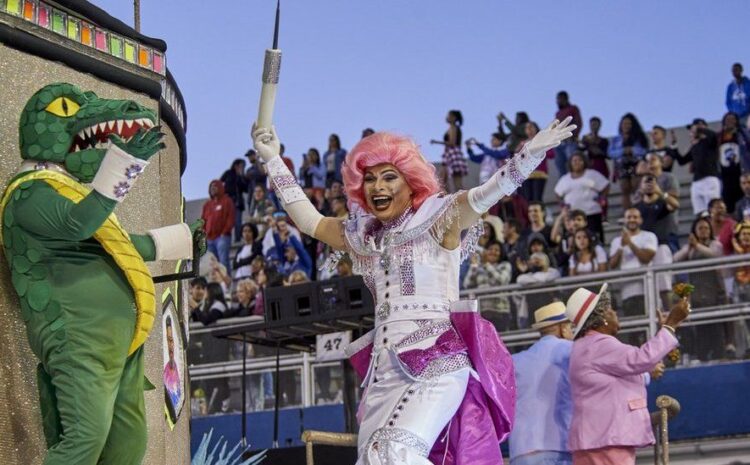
column 253, row 245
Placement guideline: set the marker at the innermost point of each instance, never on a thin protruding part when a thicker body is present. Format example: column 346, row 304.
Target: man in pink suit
column 608, row 380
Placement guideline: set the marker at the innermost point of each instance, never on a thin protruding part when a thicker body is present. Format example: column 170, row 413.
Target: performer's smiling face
column 387, row 192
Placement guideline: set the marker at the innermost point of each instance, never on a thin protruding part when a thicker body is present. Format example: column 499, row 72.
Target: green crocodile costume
column 85, row 293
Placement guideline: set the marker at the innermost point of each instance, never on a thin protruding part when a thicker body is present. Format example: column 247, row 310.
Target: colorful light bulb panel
column 79, row 30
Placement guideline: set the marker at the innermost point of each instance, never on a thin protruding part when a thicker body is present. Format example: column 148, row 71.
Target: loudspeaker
column 318, row 301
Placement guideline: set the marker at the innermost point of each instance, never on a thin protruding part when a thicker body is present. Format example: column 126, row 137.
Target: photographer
column 627, row 149
column 657, row 210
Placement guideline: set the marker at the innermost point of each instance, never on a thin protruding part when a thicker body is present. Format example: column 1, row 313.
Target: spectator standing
column 704, row 154
column 627, row 149
column 633, row 249
column 490, row 158
column 657, row 210
column 667, row 153
column 258, row 208
column 292, row 254
column 586, row 255
column 608, row 380
column 742, row 209
column 563, row 233
column 533, row 188
column 538, row 222
column 333, row 159
column 669, row 185
column 596, row 147
column 454, row 161
column 314, row 176
column 707, row 340
column 738, row 94
column 544, row 407
column 722, row 224
column 565, row 150
column 733, row 156
column 514, row 246
column 218, row 215
column 256, row 172
column 581, row 189
column 235, row 186
column 250, row 249
column 517, row 129
column 491, row 272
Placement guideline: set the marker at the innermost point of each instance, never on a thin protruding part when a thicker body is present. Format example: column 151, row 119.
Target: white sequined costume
column 418, row 380
column 413, row 280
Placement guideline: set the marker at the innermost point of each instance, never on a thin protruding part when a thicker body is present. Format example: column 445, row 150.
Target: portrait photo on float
column 173, row 372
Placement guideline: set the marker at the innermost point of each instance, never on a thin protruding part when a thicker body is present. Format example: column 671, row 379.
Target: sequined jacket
column 413, row 278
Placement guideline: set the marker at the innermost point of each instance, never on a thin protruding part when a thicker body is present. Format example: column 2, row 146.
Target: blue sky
column 400, row 65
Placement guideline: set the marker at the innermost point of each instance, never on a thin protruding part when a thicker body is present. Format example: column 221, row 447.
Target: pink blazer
column 608, row 387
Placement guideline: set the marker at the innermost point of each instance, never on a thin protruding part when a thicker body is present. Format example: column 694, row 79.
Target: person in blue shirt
column 544, row 407
column 291, row 253
column 490, row 157
column 738, row 94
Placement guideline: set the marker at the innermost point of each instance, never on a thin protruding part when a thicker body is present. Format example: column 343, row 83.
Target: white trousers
column 703, row 191
column 403, row 417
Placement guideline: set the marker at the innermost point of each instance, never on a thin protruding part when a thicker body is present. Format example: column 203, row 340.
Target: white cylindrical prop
column 271, row 67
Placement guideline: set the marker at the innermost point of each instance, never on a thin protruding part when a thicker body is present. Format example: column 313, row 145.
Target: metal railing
column 636, row 328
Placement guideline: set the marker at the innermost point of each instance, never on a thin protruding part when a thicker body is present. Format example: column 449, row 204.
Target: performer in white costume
column 431, row 365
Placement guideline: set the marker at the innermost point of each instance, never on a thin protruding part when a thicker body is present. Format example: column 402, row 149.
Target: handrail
column 675, row 268
column 605, row 275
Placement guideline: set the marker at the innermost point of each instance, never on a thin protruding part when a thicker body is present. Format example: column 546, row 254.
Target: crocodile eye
column 63, row 106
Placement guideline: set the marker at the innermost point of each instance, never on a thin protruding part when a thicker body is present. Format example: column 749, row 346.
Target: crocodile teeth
column 119, row 126
column 88, row 132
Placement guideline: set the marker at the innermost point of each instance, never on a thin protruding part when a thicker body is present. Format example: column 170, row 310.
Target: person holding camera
column 657, row 209
column 627, row 149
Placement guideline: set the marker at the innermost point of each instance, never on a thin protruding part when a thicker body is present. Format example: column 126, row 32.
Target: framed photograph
column 174, row 362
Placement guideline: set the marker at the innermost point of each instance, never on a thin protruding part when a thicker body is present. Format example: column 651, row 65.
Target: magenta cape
column 485, row 417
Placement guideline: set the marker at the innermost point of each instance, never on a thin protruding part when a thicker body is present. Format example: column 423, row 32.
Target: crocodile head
column 62, row 124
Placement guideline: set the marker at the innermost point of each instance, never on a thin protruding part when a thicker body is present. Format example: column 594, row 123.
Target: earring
column 606, row 323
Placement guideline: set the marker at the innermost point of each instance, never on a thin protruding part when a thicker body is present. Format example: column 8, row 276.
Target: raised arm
column 476, row 201
column 293, row 200
column 618, row 359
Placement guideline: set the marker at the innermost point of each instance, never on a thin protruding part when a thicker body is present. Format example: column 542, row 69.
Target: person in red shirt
column 218, row 214
column 722, row 224
column 567, row 147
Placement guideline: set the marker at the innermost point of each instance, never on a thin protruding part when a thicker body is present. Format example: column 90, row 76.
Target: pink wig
column 399, row 151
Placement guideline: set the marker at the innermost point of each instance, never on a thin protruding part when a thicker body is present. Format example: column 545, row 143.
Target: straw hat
column 580, row 305
column 549, row 315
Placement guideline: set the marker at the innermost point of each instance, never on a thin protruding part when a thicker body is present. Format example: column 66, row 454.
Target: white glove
column 292, row 198
column 550, row 137
column 266, row 143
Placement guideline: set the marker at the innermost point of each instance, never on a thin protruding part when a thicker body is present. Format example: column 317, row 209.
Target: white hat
column 549, row 315
column 580, row 305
